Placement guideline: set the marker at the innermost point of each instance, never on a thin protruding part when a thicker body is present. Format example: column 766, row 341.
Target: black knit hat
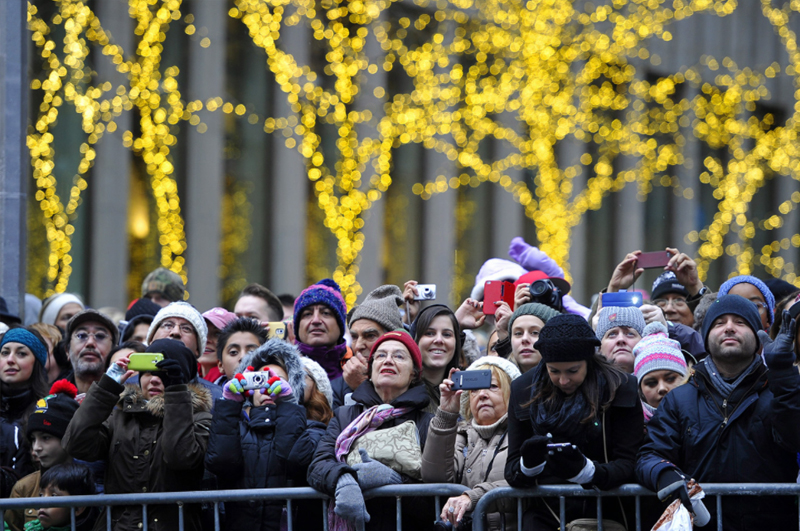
column 53, row 412
column 566, row 337
column 142, row 307
column 734, row 305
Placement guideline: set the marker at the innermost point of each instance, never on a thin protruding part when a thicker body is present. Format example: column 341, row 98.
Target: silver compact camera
column 427, row 292
column 255, row 380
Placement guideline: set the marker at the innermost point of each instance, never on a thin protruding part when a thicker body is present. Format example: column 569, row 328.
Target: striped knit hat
column 326, row 292
column 657, row 352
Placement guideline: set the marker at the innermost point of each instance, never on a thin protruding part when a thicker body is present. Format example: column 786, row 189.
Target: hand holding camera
column 232, row 390
column 534, row 450
column 565, row 460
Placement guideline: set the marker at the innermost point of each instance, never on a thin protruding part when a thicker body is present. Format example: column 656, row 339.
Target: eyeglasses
column 760, row 305
column 676, row 302
column 83, row 337
column 396, row 356
column 184, row 328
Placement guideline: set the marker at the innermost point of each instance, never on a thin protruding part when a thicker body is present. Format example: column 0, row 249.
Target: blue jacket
column 751, row 437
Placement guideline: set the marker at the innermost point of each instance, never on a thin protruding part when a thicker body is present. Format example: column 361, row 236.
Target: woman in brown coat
column 154, row 441
column 475, row 450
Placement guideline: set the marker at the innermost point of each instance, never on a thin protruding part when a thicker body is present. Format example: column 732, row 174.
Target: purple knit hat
column 326, row 292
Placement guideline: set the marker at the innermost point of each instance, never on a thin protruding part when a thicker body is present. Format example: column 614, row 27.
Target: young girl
column 659, row 367
column 257, row 437
column 576, row 398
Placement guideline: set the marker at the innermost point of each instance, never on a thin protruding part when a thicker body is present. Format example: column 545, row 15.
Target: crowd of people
column 673, row 388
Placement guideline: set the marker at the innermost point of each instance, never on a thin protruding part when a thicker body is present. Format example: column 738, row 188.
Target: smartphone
column 144, row 361
column 557, row 446
column 427, row 292
column 470, row 380
column 497, row 291
column 277, row 329
column 622, row 299
column 653, row 260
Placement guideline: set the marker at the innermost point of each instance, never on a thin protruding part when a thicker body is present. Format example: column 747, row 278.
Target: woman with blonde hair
column 472, row 452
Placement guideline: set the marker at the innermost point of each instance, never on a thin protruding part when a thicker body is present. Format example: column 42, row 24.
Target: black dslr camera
column 446, row 525
column 545, row 292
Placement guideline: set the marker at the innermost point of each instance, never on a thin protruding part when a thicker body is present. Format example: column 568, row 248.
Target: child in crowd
column 68, row 479
column 659, row 367
column 46, row 427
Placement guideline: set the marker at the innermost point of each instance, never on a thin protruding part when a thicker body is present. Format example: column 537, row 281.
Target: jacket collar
column 134, row 397
column 415, row 397
column 757, row 380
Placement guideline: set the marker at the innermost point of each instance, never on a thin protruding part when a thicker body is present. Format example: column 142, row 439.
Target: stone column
column 508, row 215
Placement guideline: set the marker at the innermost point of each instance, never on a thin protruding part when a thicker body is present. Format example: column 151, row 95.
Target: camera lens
column 539, row 288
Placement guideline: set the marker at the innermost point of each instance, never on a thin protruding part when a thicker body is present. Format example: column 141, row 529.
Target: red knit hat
column 403, row 337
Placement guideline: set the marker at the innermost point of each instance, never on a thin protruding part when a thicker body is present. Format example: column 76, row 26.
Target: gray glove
column 350, row 502
column 373, row 474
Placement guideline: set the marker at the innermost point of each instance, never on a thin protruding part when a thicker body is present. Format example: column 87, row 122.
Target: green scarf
column 36, row 525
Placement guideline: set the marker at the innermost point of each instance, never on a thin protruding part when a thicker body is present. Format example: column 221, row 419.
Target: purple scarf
column 330, row 358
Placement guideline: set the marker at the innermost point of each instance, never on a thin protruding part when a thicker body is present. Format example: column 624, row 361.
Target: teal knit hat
column 543, row 312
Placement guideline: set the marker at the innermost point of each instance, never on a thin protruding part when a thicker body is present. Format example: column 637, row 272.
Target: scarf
column 724, row 388
column 648, row 411
column 366, row 422
column 330, row 358
column 36, row 525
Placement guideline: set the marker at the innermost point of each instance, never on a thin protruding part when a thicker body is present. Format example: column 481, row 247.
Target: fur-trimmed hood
column 134, row 397
column 287, row 355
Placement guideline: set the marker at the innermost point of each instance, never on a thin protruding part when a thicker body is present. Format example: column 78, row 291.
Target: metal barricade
column 712, row 490
column 436, row 490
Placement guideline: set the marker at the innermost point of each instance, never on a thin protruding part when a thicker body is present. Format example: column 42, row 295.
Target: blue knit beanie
column 765, row 291
column 326, row 292
column 735, row 305
column 20, row 335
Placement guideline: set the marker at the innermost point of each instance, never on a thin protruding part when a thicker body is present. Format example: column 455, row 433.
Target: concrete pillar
column 205, row 168
column 439, row 230
column 290, row 188
column 508, row 215
column 14, row 161
column 569, row 153
column 628, row 216
column 111, row 176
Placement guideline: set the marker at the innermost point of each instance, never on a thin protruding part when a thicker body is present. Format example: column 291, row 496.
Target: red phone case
column 495, row 291
column 652, row 260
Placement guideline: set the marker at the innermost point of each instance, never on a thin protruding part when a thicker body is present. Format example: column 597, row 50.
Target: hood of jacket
column 134, row 396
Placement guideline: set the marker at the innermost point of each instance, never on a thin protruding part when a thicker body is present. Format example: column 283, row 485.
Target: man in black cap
column 736, row 421
column 90, row 337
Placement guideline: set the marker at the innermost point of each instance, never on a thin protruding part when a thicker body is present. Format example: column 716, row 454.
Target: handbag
column 396, row 447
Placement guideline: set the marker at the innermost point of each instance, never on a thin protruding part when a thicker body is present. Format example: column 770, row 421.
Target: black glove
column 780, row 353
column 534, row 451
column 565, row 462
column 672, row 484
column 170, row 373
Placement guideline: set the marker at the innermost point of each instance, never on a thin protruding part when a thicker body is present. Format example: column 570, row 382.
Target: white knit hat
column 501, row 363
column 320, row 378
column 184, row 310
column 53, row 305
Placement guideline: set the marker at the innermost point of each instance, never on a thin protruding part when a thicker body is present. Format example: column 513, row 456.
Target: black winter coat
column 752, row 437
column 624, row 431
column 325, row 470
column 253, row 452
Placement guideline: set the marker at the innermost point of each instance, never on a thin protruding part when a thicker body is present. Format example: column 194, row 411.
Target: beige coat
column 457, row 453
column 27, row 487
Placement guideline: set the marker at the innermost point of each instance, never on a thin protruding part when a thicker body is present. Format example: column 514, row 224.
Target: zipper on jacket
column 724, row 412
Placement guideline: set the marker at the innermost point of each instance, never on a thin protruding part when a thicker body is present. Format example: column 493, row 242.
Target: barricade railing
column 714, row 493
column 435, row 490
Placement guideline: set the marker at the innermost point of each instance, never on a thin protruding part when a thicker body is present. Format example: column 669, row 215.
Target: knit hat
column 542, row 311
column 566, row 337
column 184, row 310
column 279, row 352
column 667, row 282
column 613, row 316
column 734, row 305
column 501, row 363
column 219, row 317
column 780, row 288
column 172, row 349
column 326, row 292
column 495, row 269
column 53, row 412
column 320, row 377
column 382, row 306
column 657, row 352
column 403, row 337
column 532, row 276
column 52, row 306
column 166, row 282
column 142, row 306
column 768, row 296
column 24, row 337
column 93, row 316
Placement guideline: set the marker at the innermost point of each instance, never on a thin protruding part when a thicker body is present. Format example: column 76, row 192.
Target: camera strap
column 496, row 451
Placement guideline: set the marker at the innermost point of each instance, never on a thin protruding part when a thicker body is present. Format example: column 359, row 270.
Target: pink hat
column 219, row 317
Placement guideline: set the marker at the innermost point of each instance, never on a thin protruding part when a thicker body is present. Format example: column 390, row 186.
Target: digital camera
column 427, row 292
column 255, row 380
column 545, row 292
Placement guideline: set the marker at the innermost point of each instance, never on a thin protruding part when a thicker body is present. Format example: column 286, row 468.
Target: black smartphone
column 471, row 380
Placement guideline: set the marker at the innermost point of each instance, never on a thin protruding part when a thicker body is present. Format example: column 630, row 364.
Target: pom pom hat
column 326, row 292
column 53, row 412
column 657, row 352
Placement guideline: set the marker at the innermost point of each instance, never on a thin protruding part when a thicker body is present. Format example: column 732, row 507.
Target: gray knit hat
column 382, row 306
column 186, row 311
column 613, row 316
column 543, row 312
column 320, row 378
